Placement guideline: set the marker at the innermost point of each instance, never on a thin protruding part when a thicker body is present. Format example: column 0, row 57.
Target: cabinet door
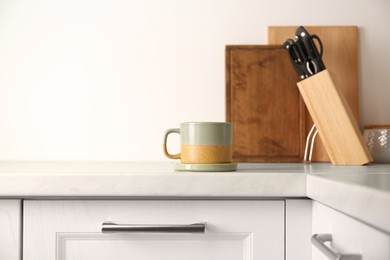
column 298, row 229
column 235, row 230
column 10, row 229
column 349, row 236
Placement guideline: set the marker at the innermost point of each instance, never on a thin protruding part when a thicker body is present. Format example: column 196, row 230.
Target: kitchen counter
column 158, row 179
column 148, row 180
column 362, row 191
column 363, row 196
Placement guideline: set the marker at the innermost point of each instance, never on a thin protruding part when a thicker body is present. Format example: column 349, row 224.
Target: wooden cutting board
column 264, row 105
column 340, row 57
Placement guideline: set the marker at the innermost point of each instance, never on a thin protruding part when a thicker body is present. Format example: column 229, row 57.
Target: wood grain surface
column 334, row 120
column 340, row 57
column 264, row 105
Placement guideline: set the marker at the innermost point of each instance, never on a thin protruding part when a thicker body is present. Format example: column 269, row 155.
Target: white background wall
column 103, row 79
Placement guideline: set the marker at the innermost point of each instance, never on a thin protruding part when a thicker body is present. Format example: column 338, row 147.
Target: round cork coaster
column 194, row 167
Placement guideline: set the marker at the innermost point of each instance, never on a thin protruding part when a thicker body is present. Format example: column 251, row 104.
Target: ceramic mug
column 202, row 142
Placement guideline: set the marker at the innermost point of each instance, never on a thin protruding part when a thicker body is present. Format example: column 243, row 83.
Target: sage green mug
column 202, row 142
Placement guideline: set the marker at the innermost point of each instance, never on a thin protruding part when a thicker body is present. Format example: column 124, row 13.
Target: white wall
column 103, row 79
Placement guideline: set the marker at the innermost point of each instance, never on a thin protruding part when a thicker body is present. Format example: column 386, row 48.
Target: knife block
column 334, row 120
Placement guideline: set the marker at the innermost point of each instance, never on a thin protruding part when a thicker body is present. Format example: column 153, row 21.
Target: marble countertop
column 148, row 180
column 158, row 179
column 363, row 196
column 359, row 191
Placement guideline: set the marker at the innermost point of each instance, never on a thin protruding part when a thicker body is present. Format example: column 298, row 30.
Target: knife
column 297, row 57
column 303, row 52
column 314, row 57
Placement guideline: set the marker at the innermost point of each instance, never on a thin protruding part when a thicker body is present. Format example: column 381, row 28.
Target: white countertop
column 359, row 191
column 363, row 196
column 148, row 179
column 158, row 179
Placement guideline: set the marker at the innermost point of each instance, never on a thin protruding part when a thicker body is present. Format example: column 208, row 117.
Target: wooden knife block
column 341, row 57
column 334, row 120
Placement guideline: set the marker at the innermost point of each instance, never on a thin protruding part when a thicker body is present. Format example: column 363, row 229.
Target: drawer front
column 349, row 236
column 234, row 230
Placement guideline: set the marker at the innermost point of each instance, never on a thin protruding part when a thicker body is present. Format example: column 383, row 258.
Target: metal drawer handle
column 318, row 240
column 192, row 228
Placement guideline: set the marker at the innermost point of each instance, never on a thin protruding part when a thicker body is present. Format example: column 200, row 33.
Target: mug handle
column 170, row 131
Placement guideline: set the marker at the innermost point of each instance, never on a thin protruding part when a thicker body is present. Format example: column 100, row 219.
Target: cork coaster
column 193, row 167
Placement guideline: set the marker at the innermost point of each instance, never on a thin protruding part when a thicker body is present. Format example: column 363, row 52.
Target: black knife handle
column 313, row 57
column 296, row 57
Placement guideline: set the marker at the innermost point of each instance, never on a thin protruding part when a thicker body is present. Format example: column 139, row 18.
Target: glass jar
column 377, row 138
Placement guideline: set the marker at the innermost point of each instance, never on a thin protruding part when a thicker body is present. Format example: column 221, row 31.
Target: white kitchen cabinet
column 349, row 236
column 298, row 229
column 235, row 229
column 10, row 229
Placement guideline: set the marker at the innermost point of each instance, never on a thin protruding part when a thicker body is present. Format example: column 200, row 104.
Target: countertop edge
column 360, row 202
column 206, row 185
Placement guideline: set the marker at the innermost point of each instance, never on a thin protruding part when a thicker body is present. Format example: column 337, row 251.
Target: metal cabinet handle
column 192, row 228
column 318, row 240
